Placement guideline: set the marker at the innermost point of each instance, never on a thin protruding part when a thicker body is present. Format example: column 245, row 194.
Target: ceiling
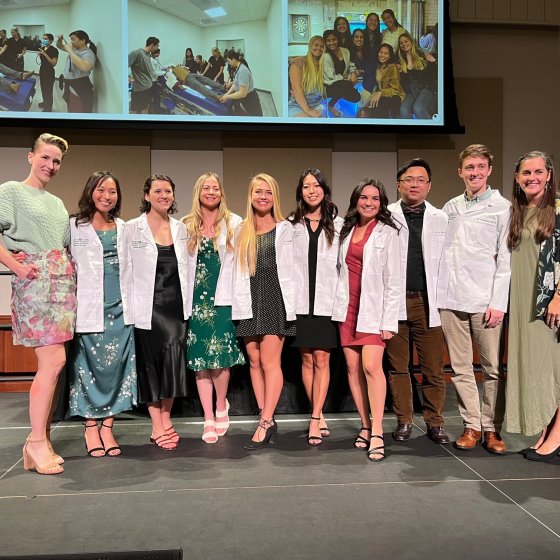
column 193, row 10
column 16, row 4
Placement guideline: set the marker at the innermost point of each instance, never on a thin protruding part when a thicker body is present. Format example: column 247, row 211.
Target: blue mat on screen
column 189, row 102
column 20, row 101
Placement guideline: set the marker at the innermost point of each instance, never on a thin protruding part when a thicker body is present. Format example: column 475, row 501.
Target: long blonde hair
column 418, row 62
column 246, row 243
column 195, row 223
column 312, row 72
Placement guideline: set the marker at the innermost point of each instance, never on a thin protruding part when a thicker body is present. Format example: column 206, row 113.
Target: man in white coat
column 421, row 243
column 473, row 291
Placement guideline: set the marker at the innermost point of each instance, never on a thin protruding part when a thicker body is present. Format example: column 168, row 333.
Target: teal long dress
column 103, row 365
column 211, row 341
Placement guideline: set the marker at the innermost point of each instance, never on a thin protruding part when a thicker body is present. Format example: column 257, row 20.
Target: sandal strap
column 223, row 413
column 105, row 425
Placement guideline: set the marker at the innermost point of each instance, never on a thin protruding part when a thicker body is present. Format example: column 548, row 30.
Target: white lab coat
column 433, row 235
column 141, row 254
column 227, row 256
column 475, row 268
column 380, row 295
column 241, row 300
column 327, row 272
column 87, row 252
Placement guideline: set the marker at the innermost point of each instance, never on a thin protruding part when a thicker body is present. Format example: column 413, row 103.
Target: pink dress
column 354, row 260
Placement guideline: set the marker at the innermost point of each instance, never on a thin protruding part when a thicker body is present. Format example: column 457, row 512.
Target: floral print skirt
column 44, row 309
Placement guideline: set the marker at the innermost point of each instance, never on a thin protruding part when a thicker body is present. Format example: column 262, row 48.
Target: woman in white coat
column 157, row 251
column 103, row 364
column 316, row 230
column 211, row 343
column 264, row 297
column 367, row 304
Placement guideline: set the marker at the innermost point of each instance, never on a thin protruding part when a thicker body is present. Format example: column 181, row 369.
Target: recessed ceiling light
column 216, row 12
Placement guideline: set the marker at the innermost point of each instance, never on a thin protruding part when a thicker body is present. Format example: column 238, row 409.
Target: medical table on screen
column 179, row 101
column 21, row 100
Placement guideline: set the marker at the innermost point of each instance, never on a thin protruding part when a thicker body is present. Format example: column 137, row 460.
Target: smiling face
column 368, row 204
column 105, row 195
column 389, row 21
column 331, row 42
column 210, row 194
column 342, row 26
column 45, row 162
column 262, row 198
column 532, row 177
column 358, row 38
column 312, row 192
column 372, row 22
column 160, row 196
column 317, row 47
column 384, row 55
column 475, row 172
column 404, row 44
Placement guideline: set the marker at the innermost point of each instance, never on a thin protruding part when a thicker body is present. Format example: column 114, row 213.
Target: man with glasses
column 473, row 292
column 421, row 242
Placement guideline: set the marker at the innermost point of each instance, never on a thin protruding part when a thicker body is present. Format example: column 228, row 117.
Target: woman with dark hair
column 316, row 230
column 103, row 366
column 189, row 61
column 13, row 51
column 360, row 55
column 339, row 74
column 394, row 29
column 533, row 387
column 34, row 224
column 342, row 28
column 418, row 75
column 385, row 101
column 367, row 302
column 48, row 57
column 372, row 34
column 78, row 89
column 242, row 91
column 156, row 246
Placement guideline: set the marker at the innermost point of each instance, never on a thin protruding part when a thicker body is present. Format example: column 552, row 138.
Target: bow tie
column 413, row 210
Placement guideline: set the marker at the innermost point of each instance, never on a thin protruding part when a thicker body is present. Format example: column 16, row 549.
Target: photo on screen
column 218, row 59
column 364, row 60
column 61, row 58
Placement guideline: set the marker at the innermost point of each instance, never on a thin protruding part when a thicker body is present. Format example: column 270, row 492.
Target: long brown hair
column 546, row 212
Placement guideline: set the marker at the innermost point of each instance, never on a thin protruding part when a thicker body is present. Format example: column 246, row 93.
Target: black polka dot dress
column 269, row 312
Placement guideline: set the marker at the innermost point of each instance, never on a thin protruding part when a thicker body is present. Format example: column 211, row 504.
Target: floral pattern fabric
column 44, row 309
column 548, row 274
column 103, row 365
column 211, row 342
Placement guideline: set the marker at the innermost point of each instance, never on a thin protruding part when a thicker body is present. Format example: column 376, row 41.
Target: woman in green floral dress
column 211, row 343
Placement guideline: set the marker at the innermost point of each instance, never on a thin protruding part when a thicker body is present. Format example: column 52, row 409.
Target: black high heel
column 91, row 452
column 271, row 428
column 532, row 455
column 361, row 439
column 379, row 450
column 109, row 449
column 315, row 440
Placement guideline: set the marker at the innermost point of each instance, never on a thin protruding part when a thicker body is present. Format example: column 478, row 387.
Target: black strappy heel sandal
column 91, row 452
column 362, row 439
column 380, row 450
column 109, row 449
column 315, row 440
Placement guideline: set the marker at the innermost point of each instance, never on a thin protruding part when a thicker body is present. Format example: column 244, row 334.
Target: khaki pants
column 458, row 327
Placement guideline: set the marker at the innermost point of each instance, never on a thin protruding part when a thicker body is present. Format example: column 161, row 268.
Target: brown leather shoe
column 469, row 439
column 494, row 444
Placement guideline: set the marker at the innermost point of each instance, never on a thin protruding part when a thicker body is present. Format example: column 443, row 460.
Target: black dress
column 314, row 331
column 269, row 312
column 160, row 352
column 46, row 75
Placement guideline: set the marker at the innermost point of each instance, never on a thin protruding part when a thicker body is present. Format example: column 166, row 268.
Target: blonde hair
column 48, row 138
column 246, row 243
column 194, row 220
column 418, row 63
column 312, row 72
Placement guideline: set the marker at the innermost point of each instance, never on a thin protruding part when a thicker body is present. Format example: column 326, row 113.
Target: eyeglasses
column 409, row 181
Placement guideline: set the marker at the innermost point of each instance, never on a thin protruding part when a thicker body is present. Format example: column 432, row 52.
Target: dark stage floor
column 287, row 502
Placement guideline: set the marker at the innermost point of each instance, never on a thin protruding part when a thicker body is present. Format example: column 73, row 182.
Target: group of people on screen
column 144, row 302
column 385, row 74
column 221, row 79
column 74, row 81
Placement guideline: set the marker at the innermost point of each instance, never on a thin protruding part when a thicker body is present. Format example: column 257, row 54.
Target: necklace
column 316, row 220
